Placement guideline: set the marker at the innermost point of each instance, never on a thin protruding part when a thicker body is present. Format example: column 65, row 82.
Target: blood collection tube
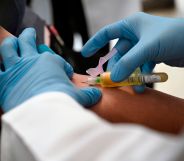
column 105, row 81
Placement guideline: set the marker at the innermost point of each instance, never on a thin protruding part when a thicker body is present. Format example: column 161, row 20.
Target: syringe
column 138, row 79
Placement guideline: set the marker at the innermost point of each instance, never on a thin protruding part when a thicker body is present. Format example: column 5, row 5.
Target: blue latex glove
column 144, row 40
column 28, row 73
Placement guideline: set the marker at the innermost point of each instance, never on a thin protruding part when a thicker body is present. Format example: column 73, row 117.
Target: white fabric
column 53, row 127
column 103, row 12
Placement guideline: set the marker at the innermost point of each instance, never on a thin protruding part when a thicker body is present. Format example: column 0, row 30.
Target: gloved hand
column 28, row 73
column 144, row 40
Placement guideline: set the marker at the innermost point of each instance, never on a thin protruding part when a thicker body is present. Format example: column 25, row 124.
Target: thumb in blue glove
column 28, row 73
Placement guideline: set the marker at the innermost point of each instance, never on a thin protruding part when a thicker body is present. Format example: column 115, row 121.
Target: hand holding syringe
column 136, row 78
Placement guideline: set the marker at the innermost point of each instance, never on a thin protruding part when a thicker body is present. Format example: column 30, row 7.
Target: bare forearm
column 3, row 34
column 154, row 109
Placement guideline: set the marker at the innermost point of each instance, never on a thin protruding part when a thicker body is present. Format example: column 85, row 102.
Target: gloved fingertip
column 28, row 31
column 84, row 52
column 93, row 95
column 88, row 51
column 96, row 92
column 139, row 89
column 69, row 70
column 31, row 30
column 27, row 42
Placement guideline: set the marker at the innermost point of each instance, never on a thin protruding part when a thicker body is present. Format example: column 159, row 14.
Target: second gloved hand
column 28, row 73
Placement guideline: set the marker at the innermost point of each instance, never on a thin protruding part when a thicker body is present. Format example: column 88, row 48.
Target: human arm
column 152, row 108
column 4, row 34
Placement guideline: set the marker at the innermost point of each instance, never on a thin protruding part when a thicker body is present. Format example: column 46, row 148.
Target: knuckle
column 102, row 35
column 136, row 16
column 106, row 31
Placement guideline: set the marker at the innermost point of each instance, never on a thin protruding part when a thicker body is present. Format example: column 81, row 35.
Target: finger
column 122, row 47
column 27, row 42
column 67, row 67
column 8, row 51
column 139, row 89
column 113, row 61
column 134, row 58
column 146, row 68
column 1, row 67
column 43, row 48
column 89, row 96
column 102, row 37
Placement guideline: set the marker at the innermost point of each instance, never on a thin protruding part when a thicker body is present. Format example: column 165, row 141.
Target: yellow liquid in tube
column 105, row 81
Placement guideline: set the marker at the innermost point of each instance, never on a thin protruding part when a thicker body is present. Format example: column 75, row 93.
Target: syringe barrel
column 106, row 81
column 138, row 79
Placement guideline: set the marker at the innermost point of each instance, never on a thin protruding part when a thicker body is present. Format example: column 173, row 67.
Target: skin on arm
column 3, row 34
column 152, row 108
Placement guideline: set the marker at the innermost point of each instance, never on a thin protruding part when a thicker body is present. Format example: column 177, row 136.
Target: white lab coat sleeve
column 54, row 127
